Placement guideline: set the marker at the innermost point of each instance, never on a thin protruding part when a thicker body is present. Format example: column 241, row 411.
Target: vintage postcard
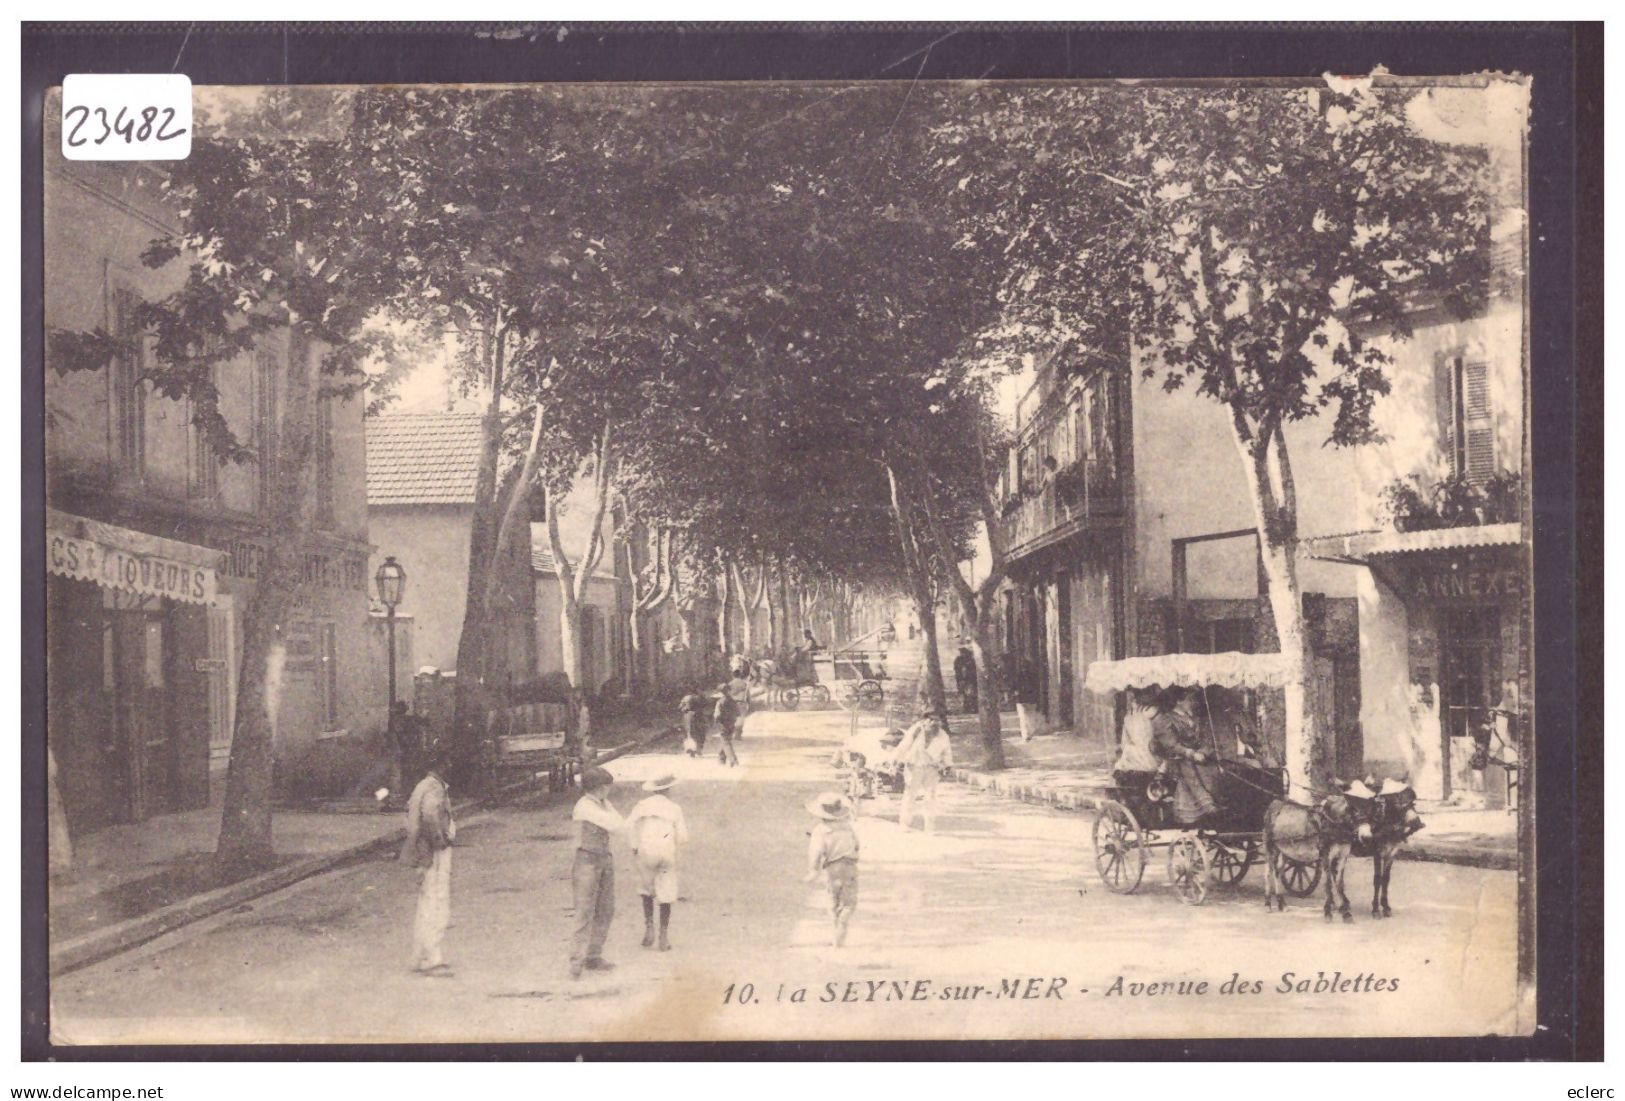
column 798, row 561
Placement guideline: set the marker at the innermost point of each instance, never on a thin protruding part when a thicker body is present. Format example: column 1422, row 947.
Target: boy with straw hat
column 658, row 827
column 833, row 849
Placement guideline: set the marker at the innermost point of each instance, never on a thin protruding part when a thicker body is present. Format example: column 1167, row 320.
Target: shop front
column 128, row 644
column 1442, row 655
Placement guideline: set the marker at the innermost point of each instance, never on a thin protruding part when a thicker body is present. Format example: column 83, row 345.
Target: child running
column 833, row 849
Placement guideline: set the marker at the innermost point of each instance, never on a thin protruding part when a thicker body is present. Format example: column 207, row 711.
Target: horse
column 1393, row 818
column 1323, row 834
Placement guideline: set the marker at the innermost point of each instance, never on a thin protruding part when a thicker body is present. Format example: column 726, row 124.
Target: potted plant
column 1503, row 498
column 1458, row 503
column 1406, row 506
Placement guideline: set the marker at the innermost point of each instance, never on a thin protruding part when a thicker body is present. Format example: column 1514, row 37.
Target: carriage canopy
column 1229, row 670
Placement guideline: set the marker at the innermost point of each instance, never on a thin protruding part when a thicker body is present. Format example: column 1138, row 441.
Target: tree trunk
column 932, row 690
column 469, row 698
column 720, row 588
column 245, row 822
column 1275, row 507
column 747, row 611
column 575, row 580
column 985, row 644
column 916, row 569
column 776, row 641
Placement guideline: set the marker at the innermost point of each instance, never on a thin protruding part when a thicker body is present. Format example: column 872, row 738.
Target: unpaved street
column 1004, row 894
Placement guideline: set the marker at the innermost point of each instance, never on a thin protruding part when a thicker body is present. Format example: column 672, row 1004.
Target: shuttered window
column 129, row 393
column 1466, row 417
column 1478, row 425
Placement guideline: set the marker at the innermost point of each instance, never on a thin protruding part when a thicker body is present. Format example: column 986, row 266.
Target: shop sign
column 1471, row 582
column 246, row 559
column 209, row 665
column 130, row 571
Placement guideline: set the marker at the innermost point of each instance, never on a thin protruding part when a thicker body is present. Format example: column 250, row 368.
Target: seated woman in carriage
column 1183, row 742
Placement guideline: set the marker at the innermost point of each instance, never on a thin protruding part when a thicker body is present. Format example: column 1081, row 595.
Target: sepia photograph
column 899, row 559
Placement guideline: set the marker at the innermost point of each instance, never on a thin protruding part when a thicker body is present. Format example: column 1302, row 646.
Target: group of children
column 656, row 828
column 725, row 712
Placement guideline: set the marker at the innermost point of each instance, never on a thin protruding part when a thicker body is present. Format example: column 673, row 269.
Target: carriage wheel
column 1230, row 863
column 1298, row 878
column 789, row 698
column 1187, row 869
column 820, row 694
column 869, row 693
column 1119, row 848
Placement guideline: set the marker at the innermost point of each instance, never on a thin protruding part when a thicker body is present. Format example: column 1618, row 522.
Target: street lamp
column 391, row 581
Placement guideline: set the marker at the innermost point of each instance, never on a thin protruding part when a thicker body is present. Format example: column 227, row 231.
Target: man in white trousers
column 429, row 834
column 924, row 752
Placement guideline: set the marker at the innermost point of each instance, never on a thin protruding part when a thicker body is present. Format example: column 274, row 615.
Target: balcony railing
column 1086, row 490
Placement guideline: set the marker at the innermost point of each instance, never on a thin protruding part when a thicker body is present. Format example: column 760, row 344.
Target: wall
column 98, row 220
column 431, row 544
column 602, row 594
column 1189, row 480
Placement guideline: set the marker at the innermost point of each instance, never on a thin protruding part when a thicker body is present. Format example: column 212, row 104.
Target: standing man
column 965, row 678
column 429, row 834
column 593, row 876
column 925, row 751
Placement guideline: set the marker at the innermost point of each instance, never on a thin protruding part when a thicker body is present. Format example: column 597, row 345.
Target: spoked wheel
column 1229, row 861
column 1187, row 869
column 789, row 698
column 1119, row 848
column 1298, row 878
column 820, row 694
column 869, row 694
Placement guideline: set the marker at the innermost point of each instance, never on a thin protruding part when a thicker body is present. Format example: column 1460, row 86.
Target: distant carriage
column 1139, row 817
column 856, row 677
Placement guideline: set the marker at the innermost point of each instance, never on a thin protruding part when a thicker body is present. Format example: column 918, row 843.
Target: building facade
column 421, row 472
column 1439, row 552
column 154, row 545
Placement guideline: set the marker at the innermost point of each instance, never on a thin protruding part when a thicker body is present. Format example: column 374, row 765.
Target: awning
column 1365, row 544
column 127, row 560
column 1228, row 670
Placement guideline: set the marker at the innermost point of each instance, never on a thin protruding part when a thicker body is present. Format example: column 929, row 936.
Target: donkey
column 1322, row 834
column 1393, row 819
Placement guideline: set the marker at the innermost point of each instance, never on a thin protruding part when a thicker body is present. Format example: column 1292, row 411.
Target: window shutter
column 1478, row 423
column 1444, row 407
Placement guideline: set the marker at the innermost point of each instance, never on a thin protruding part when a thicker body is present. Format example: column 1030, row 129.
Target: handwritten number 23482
column 143, row 126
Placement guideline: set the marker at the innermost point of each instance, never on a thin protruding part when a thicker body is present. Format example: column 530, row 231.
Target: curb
column 101, row 944
column 1442, row 852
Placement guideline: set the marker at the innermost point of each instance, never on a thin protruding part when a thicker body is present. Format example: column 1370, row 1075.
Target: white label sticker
column 126, row 116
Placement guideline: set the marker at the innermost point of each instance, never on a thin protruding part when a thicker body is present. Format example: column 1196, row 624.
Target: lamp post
column 391, row 581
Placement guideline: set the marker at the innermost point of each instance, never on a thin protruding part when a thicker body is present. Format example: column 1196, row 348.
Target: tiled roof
column 422, row 458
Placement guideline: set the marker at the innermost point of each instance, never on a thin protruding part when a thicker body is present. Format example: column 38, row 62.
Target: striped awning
column 129, row 561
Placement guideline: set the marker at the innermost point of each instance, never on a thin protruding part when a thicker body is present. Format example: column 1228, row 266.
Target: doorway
column 137, row 645
column 1470, row 674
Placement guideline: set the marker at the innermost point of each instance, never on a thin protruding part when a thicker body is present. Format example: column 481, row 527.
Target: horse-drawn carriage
column 1141, row 813
column 856, row 677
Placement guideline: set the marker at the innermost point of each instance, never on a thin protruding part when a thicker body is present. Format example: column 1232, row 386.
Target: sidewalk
column 1059, row 770
column 134, row 882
